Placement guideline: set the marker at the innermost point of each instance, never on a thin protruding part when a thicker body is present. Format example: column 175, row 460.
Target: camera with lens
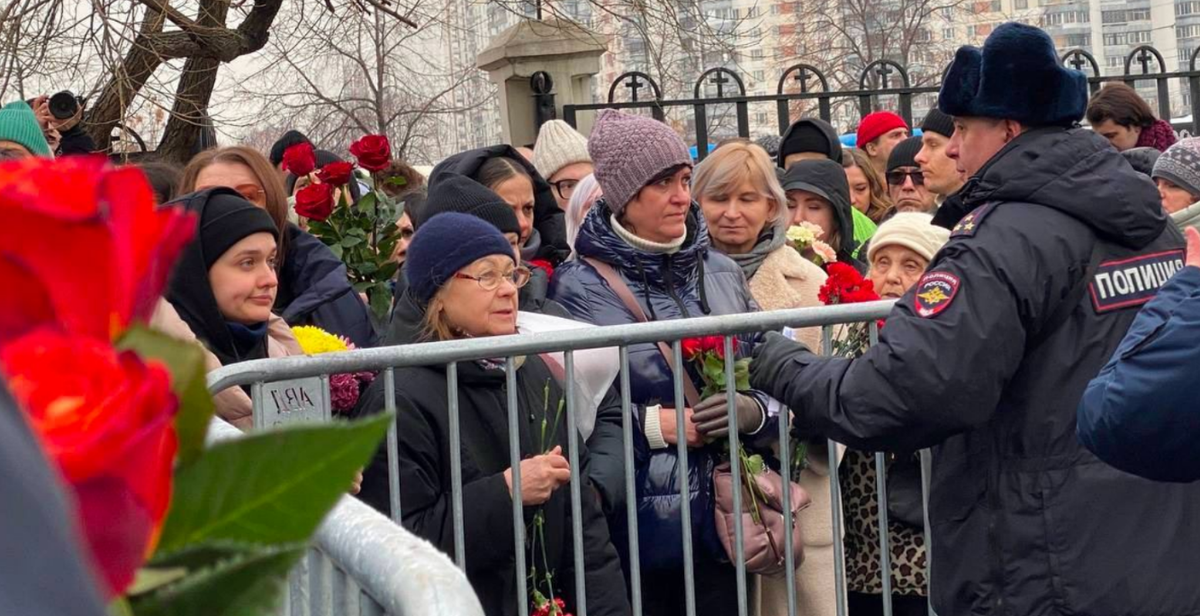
column 64, row 105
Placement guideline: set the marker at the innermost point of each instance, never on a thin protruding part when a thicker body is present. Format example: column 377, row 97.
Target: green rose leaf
column 185, row 361
column 244, row 585
column 269, row 487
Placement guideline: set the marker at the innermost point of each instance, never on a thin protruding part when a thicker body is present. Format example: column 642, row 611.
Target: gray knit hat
column 557, row 146
column 1180, row 165
column 629, row 151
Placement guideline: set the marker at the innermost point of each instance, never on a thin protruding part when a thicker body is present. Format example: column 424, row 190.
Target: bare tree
column 124, row 50
column 338, row 77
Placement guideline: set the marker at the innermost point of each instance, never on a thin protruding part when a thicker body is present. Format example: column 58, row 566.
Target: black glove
column 772, row 356
column 712, row 420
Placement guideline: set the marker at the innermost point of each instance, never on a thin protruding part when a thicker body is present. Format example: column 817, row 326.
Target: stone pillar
column 564, row 49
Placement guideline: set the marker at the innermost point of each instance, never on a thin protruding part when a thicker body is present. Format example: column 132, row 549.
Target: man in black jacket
column 1055, row 242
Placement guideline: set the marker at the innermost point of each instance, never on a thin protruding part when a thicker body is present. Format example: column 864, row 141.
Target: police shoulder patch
column 970, row 223
column 934, row 293
column 1132, row 281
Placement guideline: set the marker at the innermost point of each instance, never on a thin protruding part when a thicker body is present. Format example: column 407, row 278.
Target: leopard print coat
column 909, row 567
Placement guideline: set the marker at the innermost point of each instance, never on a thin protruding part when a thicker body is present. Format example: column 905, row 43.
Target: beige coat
column 233, row 405
column 787, row 280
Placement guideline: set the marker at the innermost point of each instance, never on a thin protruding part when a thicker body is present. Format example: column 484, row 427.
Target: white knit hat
column 557, row 146
column 912, row 230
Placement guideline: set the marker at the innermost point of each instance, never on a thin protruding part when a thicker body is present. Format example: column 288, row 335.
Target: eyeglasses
column 896, row 178
column 252, row 193
column 565, row 188
column 490, row 280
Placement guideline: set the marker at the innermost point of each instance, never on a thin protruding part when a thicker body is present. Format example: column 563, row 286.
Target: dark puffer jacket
column 986, row 359
column 422, row 421
column 314, row 290
column 549, row 222
column 693, row 282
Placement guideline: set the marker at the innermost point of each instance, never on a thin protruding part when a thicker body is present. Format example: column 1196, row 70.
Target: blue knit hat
column 18, row 124
column 444, row 245
column 1016, row 76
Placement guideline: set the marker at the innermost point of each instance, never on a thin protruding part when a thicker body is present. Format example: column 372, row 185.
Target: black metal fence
column 893, row 80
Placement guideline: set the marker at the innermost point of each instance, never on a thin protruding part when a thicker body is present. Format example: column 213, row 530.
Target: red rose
column 315, row 201
column 692, row 348
column 300, row 159
column 336, row 174
column 111, row 245
column 373, row 152
column 105, row 418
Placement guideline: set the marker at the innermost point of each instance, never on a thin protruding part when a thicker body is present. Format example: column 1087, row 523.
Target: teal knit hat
column 19, row 125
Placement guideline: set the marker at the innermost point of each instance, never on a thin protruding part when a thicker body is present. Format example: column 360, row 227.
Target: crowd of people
column 1031, row 260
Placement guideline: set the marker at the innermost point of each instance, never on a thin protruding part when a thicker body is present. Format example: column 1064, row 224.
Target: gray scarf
column 530, row 250
column 771, row 238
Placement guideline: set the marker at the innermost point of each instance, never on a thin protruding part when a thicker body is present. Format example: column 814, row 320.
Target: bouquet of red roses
column 363, row 234
column 846, row 286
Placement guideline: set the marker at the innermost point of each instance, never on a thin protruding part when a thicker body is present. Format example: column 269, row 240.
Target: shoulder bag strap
column 622, row 290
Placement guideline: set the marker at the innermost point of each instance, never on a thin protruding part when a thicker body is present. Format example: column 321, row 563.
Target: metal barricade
column 452, row 353
column 362, row 564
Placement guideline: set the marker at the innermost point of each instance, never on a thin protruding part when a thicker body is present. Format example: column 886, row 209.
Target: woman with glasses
column 463, row 282
column 561, row 157
column 313, row 284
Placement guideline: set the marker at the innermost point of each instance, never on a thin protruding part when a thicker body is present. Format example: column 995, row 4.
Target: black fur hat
column 1016, row 76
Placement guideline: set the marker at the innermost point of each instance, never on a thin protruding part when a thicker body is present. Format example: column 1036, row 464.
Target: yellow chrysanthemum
column 314, row 340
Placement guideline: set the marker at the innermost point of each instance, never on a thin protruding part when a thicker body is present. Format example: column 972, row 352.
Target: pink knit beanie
column 630, row 150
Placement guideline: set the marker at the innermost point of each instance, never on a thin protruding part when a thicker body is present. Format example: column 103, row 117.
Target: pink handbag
column 764, row 543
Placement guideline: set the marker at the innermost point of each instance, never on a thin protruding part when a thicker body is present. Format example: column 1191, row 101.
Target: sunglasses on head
column 896, row 178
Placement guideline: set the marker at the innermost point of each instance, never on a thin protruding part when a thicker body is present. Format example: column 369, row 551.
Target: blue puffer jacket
column 1140, row 414
column 696, row 281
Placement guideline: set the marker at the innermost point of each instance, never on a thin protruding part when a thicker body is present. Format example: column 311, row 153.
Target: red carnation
column 300, row 159
column 373, row 152
column 336, row 174
column 846, row 286
column 315, row 201
column 544, row 265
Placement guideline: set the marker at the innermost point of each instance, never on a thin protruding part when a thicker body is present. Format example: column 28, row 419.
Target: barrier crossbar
column 450, row 353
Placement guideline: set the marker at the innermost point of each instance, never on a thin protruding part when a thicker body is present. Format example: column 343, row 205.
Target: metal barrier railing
column 451, row 353
column 361, row 563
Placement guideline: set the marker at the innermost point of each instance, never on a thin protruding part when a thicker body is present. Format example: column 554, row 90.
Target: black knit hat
column 938, row 122
column 806, row 137
column 904, row 154
column 227, row 219
column 289, row 139
column 457, row 193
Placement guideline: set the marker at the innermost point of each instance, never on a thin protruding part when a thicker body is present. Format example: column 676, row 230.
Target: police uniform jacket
column 985, row 359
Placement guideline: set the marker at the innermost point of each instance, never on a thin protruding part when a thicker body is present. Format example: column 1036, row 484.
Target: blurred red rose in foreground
column 105, row 418
column 83, row 247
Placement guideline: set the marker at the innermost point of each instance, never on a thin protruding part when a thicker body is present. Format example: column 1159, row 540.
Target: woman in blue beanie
column 464, row 275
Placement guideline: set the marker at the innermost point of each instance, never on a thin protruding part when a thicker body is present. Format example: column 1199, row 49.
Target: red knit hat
column 876, row 125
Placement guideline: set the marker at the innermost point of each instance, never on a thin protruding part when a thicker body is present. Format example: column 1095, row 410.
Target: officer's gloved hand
column 712, row 419
column 772, row 356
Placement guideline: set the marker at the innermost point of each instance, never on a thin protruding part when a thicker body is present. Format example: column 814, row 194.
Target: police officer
column 1056, row 241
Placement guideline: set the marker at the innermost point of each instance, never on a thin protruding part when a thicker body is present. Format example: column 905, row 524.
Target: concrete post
column 567, row 51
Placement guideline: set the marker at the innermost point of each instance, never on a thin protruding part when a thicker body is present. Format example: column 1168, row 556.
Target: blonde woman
column 748, row 216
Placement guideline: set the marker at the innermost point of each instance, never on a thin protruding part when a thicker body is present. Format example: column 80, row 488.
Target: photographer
column 60, row 116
